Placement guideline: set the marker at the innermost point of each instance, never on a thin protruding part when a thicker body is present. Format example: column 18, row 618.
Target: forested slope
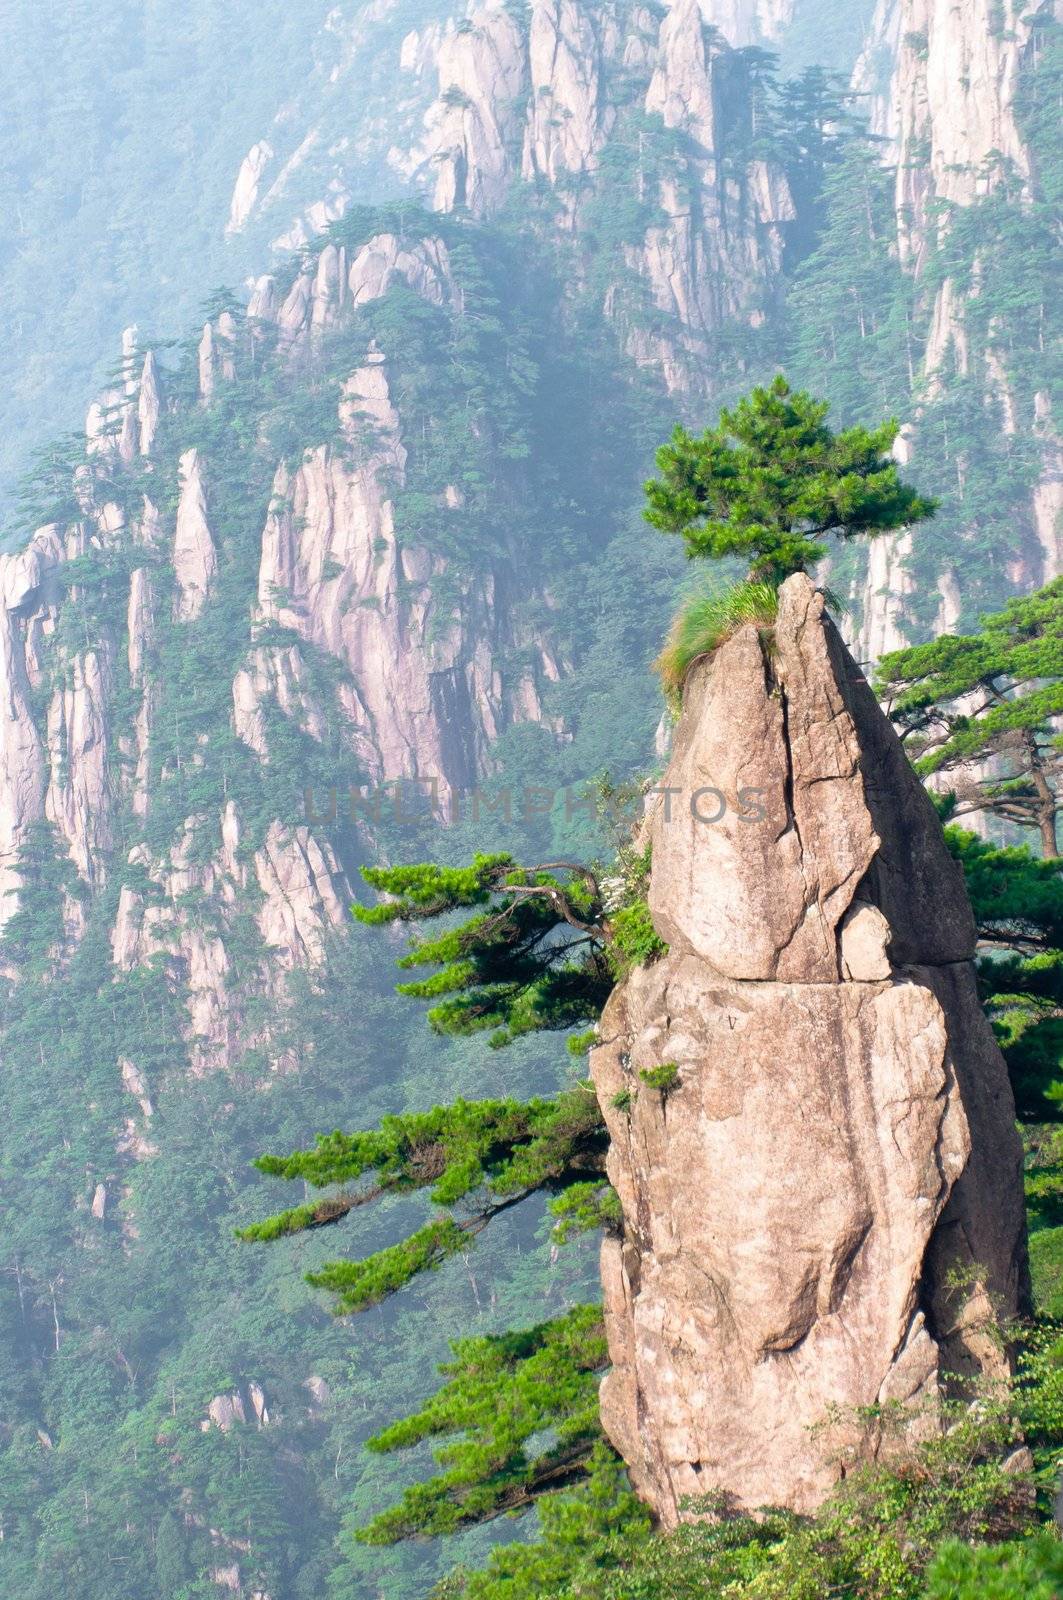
column 379, row 516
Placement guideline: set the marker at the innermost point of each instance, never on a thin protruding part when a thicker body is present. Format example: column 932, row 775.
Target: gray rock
column 825, row 1211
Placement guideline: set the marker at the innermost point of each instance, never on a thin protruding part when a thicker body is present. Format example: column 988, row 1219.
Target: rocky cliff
column 950, row 90
column 604, row 112
column 365, row 643
column 822, row 1197
column 585, row 88
column 349, row 647
column 616, row 123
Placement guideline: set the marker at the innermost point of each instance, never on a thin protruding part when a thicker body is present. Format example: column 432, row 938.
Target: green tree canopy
column 532, row 956
column 990, row 696
column 1017, row 900
column 773, row 480
column 540, row 951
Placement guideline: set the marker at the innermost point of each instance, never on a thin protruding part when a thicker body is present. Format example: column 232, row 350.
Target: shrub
column 662, row 1078
column 1028, row 1570
column 635, row 941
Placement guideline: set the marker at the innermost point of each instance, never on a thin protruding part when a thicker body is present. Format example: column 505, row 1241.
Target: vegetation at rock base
column 994, row 696
column 772, row 481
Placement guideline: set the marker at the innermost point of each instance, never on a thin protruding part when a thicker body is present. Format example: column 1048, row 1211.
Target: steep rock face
column 184, row 917
column 473, row 126
column 195, row 560
column 745, row 22
column 79, row 800
column 373, row 666
column 568, row 119
column 718, row 255
column 841, row 1111
column 956, row 80
column 872, row 76
column 887, row 585
column 22, row 582
column 949, row 111
column 334, row 573
column 545, row 106
column 248, row 179
column 320, row 295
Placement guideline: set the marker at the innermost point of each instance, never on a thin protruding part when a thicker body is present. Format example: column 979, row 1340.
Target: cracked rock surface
column 825, row 1210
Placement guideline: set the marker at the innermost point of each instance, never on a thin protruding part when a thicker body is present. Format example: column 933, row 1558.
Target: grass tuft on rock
column 706, row 622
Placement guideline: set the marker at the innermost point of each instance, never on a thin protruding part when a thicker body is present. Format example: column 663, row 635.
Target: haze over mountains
column 374, row 512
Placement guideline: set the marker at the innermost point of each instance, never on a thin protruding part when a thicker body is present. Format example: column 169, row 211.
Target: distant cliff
column 961, row 121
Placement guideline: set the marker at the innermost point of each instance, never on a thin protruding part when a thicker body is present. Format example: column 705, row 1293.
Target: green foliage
column 635, row 941
column 588, row 1539
column 662, row 1078
column 1032, row 1570
column 584, row 1208
column 506, row 1150
column 1017, row 900
column 849, row 307
column 706, row 621
column 509, row 1146
column 358, row 1284
column 533, row 960
column 34, row 932
column 580, row 1043
column 874, row 1539
column 1013, row 671
column 521, row 1413
column 1016, row 896
column 772, row 480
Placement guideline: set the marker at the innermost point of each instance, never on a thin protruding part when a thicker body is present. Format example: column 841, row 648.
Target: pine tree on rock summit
column 772, row 480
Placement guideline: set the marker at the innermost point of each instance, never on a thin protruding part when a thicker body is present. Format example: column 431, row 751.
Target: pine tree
column 533, row 957
column 773, row 480
column 539, row 952
column 991, row 696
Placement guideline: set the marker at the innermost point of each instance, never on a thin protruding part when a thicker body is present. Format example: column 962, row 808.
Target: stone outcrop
column 718, row 261
column 545, row 106
column 474, row 123
column 344, row 637
column 334, row 285
column 195, row 559
column 568, row 115
column 824, row 1210
column 27, row 601
column 334, row 573
column 300, row 893
column 248, row 180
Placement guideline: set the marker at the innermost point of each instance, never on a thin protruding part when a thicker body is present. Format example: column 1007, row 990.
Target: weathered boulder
column 824, row 1210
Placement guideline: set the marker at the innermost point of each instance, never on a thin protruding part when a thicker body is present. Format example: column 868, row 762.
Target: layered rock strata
column 823, row 1211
